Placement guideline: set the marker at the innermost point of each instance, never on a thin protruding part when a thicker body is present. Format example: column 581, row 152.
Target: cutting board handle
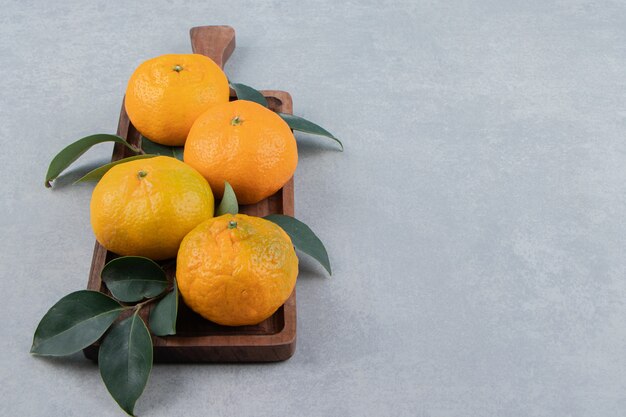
column 216, row 42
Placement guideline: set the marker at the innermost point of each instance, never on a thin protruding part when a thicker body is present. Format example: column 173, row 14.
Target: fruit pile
column 232, row 269
column 146, row 207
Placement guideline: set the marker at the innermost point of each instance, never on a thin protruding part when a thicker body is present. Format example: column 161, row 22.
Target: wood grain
column 197, row 339
column 216, row 42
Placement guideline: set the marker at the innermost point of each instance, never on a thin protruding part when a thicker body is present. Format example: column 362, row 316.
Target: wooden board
column 197, row 339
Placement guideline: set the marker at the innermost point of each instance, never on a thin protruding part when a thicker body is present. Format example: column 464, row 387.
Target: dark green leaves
column 98, row 173
column 229, row 201
column 157, row 149
column 125, row 356
column 75, row 322
column 125, row 361
column 163, row 315
column 132, row 278
column 303, row 125
column 72, row 152
column 245, row 92
column 302, row 238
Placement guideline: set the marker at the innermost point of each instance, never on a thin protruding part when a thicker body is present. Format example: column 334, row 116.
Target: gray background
column 475, row 221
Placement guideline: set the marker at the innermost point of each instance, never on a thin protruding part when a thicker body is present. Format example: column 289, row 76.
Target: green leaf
column 157, row 149
column 163, row 316
column 229, row 201
column 132, row 278
column 125, row 361
column 302, row 238
column 74, row 322
column 178, row 152
column 245, row 92
column 98, row 173
column 72, row 152
column 303, row 125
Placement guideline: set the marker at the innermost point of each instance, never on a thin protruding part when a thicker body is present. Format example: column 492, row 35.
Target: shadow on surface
column 76, row 361
column 311, row 268
column 68, row 177
column 312, row 145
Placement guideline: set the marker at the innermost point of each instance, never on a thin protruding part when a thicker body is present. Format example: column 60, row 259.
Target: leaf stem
column 137, row 150
column 138, row 306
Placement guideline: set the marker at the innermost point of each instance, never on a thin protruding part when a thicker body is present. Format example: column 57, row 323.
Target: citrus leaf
column 245, row 92
column 132, row 278
column 125, row 361
column 98, row 173
column 229, row 201
column 302, row 125
column 73, row 151
column 302, row 238
column 157, row 149
column 163, row 316
column 74, row 322
column 178, row 152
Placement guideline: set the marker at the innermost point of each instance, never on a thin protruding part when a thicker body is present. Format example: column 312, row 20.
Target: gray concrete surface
column 476, row 221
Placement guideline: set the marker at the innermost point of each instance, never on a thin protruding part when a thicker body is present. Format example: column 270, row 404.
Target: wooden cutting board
column 197, row 339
